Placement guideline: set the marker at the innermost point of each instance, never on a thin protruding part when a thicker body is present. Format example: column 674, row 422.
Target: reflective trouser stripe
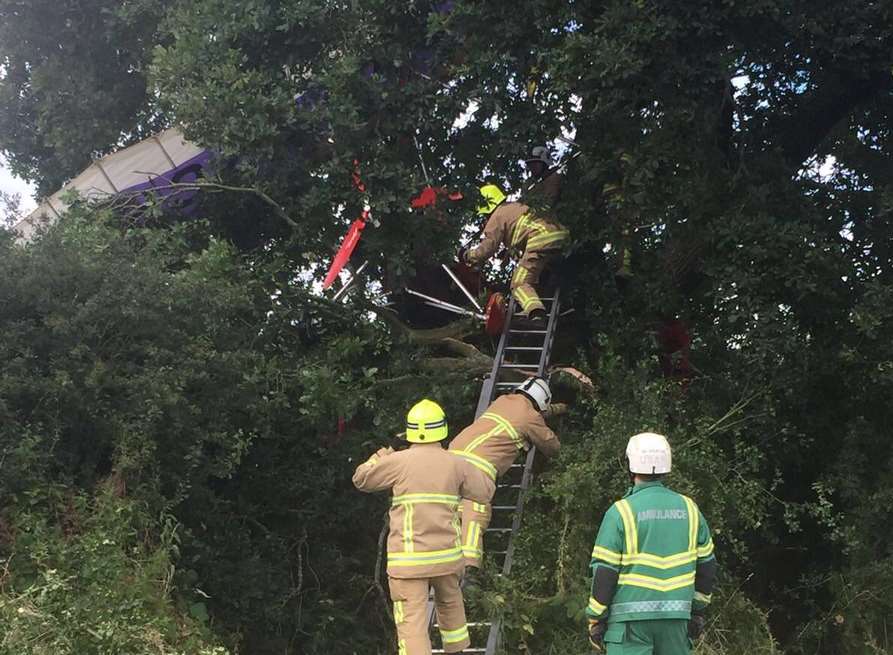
column 412, row 632
column 529, row 301
column 454, row 636
column 399, row 615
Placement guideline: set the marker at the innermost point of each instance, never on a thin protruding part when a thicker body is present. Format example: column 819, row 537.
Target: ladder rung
column 528, row 331
column 498, row 552
column 506, row 384
column 498, row 530
column 527, row 348
column 467, row 650
column 508, row 486
column 504, row 508
column 534, row 367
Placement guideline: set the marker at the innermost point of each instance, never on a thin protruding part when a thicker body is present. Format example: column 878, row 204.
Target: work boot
column 538, row 316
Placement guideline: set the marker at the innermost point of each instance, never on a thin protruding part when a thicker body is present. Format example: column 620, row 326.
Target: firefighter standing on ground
column 423, row 547
column 653, row 564
column 522, row 230
column 509, row 426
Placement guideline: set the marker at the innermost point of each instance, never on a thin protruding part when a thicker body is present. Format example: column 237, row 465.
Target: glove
column 597, row 635
column 696, row 625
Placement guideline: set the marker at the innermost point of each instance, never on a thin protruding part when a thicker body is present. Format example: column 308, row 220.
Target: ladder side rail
column 487, row 390
column 484, row 400
column 493, row 639
column 552, row 327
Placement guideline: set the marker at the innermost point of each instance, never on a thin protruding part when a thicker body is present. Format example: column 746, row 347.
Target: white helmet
column 537, row 389
column 541, row 154
column 649, row 453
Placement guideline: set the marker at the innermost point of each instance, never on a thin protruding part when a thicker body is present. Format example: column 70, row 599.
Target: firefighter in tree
column 652, row 565
column 536, row 239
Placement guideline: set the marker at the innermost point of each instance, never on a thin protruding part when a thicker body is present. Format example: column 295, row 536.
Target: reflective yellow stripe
column 656, row 584
column 479, row 440
column 541, row 240
column 425, row 558
column 407, row 528
column 454, row 636
column 658, row 562
column 410, row 499
column 526, row 300
column 478, row 462
column 596, row 607
column 401, row 647
column 520, row 226
column 399, row 616
column 630, row 532
column 519, row 276
column 703, row 598
column 706, row 550
column 505, row 425
column 608, row 556
column 692, row 523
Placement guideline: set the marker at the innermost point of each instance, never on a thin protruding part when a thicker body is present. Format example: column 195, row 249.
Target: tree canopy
column 182, row 410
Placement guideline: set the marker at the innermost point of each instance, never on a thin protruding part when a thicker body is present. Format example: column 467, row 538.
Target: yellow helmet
column 426, row 423
column 493, row 197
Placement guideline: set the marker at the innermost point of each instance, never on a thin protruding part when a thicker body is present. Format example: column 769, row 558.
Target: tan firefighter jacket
column 428, row 483
column 545, row 192
column 510, row 425
column 520, row 229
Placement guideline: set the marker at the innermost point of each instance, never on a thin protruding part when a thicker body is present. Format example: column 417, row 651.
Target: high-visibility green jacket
column 653, row 558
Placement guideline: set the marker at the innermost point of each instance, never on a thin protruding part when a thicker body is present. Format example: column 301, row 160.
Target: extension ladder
column 525, row 349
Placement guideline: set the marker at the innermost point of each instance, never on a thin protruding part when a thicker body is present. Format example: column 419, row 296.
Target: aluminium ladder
column 525, row 349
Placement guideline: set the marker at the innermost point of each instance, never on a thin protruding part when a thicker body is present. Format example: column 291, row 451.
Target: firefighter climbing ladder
column 522, row 349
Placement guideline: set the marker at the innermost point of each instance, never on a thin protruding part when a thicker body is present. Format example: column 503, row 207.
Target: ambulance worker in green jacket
column 652, row 565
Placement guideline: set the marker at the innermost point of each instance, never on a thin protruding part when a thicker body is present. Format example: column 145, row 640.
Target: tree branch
column 802, row 130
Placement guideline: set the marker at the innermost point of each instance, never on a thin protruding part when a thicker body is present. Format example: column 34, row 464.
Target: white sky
column 12, row 184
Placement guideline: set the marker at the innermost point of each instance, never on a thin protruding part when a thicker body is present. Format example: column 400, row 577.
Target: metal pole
column 436, row 302
column 462, row 287
column 352, row 279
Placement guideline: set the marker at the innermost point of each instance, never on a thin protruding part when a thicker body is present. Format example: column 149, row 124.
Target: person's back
column 424, row 549
column 509, row 426
column 653, row 564
column 536, row 239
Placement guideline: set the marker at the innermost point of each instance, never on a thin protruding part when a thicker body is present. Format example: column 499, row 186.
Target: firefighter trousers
column 475, row 519
column 410, row 614
column 526, row 277
column 650, row 637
